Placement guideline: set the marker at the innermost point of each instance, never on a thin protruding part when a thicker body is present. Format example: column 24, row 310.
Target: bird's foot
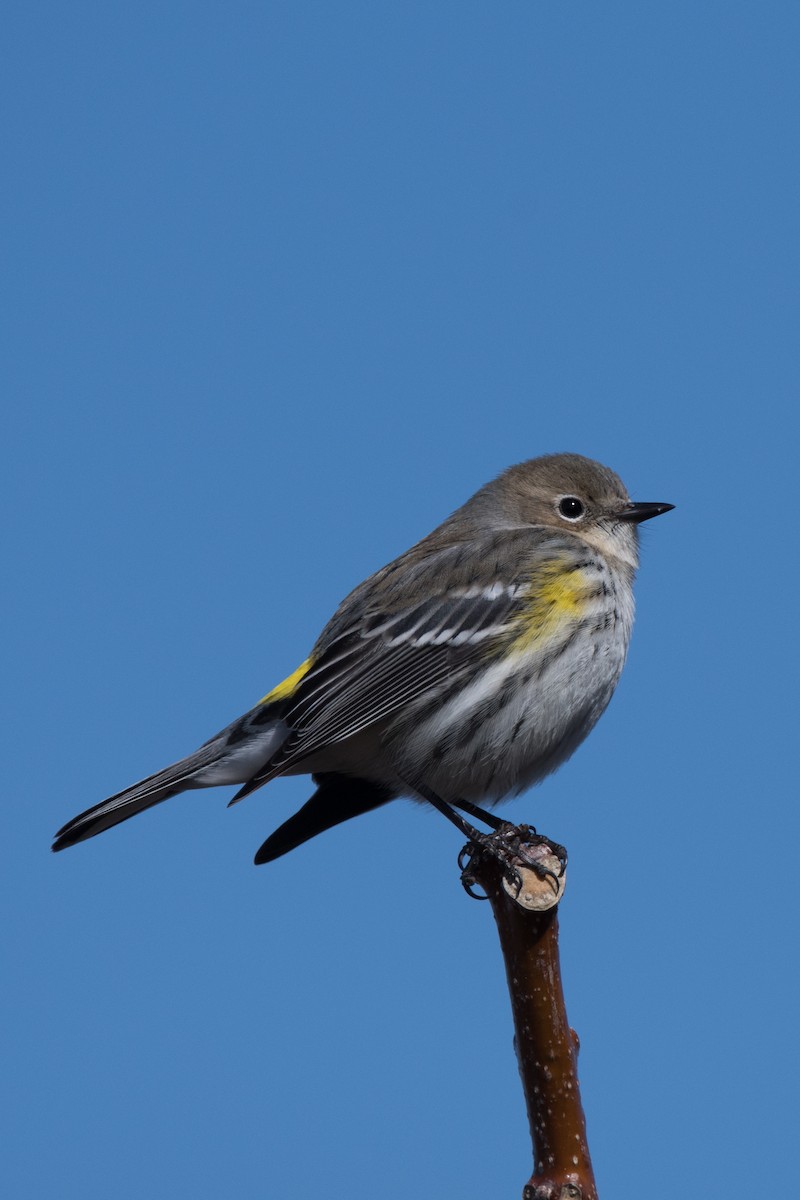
column 512, row 846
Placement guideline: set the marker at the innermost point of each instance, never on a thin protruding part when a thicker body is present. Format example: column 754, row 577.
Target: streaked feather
column 387, row 660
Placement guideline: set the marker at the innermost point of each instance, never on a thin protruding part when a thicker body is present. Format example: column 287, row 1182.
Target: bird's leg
column 506, row 842
column 531, row 836
column 480, row 813
column 449, row 811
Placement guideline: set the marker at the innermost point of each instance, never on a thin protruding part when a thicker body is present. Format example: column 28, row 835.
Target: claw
column 545, row 873
column 469, row 856
column 508, row 845
column 465, row 856
column 468, row 885
column 465, row 860
column 515, row 880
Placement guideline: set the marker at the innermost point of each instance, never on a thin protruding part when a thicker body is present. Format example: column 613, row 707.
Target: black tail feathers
column 337, row 799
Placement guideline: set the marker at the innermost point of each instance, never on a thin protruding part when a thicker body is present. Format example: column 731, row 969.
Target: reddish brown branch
column 546, row 1047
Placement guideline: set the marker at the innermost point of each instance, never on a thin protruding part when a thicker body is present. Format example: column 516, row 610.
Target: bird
column 460, row 674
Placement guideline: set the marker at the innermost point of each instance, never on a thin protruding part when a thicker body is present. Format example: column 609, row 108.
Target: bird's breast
column 537, row 695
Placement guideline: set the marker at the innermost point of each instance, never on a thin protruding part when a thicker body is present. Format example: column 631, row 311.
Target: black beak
column 643, row 512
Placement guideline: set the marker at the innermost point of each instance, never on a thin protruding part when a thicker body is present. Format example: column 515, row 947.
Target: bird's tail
column 234, row 755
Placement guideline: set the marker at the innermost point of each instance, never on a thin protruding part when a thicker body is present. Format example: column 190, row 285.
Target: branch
column 546, row 1047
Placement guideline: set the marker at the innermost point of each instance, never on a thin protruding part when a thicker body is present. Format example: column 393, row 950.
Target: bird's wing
column 383, row 661
column 390, row 660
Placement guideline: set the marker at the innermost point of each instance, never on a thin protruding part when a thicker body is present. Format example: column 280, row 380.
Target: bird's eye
column 570, row 507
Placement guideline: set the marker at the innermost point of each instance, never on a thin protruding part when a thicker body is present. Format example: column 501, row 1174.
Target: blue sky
column 284, row 283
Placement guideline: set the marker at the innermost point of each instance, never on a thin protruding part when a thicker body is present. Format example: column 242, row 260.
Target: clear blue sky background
column 284, row 283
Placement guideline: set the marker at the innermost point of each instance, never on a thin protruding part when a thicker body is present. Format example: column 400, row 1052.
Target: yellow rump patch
column 557, row 594
column 290, row 684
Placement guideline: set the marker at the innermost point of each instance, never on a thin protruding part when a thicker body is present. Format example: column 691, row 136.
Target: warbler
column 463, row 672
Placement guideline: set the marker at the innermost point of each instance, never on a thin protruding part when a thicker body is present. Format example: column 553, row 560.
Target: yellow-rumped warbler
column 464, row 671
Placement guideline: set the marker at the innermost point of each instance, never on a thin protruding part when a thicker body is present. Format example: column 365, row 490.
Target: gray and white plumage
column 469, row 667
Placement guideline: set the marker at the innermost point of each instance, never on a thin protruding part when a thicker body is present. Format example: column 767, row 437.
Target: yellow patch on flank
column 290, row 684
column 557, row 595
